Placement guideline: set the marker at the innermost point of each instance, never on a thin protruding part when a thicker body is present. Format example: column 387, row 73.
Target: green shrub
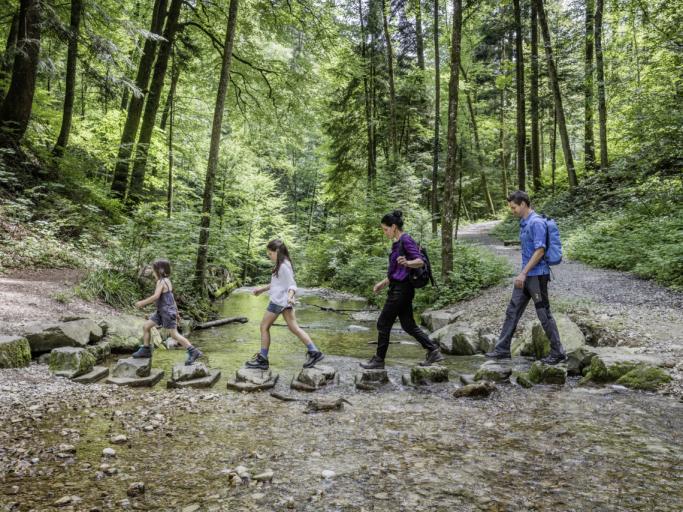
column 113, row 287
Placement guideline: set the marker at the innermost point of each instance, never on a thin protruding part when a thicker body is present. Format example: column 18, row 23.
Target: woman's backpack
column 418, row 277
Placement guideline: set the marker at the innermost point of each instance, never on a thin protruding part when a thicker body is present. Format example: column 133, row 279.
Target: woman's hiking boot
column 193, row 353
column 433, row 356
column 143, row 351
column 313, row 357
column 375, row 363
column 258, row 362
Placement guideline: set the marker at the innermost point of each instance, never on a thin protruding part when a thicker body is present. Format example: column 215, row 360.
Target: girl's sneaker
column 312, row 358
column 193, row 353
column 258, row 362
column 143, row 351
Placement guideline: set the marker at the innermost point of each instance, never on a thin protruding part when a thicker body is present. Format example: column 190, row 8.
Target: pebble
column 190, row 508
column 136, row 489
column 266, row 476
column 119, row 439
column 109, row 452
column 327, row 474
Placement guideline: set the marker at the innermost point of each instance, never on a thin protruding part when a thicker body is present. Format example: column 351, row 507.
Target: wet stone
column 247, row 379
column 155, row 376
column 136, row 489
column 500, row 370
column 480, row 389
column 131, row 368
column 541, row 373
column 326, row 403
column 266, row 476
column 311, row 379
column 370, row 380
column 96, row 374
column 182, row 372
column 202, row 382
column 425, row 375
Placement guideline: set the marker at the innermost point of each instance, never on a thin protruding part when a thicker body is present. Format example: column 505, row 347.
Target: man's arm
column 533, row 261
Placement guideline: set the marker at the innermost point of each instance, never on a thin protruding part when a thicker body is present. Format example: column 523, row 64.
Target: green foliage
column 110, row 286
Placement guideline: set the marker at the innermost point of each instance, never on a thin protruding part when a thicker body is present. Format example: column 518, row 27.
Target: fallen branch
column 221, row 321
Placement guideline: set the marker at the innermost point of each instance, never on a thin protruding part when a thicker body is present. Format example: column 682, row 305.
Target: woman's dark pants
column 399, row 304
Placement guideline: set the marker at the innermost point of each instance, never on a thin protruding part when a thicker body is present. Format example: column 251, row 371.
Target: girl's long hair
column 279, row 247
column 162, row 267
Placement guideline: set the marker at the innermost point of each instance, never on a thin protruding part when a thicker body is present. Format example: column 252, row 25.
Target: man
column 531, row 283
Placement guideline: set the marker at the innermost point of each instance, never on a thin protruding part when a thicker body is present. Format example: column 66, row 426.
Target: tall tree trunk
column 70, row 91
column 15, row 111
column 437, row 121
column 600, row 75
column 553, row 149
column 137, row 180
column 368, row 102
column 418, row 35
column 392, row 90
column 501, row 125
column 521, row 109
column 120, row 182
column 171, row 109
column 588, row 139
column 8, row 57
column 452, row 170
column 554, row 84
column 477, row 147
column 203, row 249
column 535, row 145
column 133, row 58
column 175, row 76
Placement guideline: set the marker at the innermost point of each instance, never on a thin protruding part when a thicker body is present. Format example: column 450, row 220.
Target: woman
column 405, row 255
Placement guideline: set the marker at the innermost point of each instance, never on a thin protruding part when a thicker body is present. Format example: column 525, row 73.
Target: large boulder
column 648, row 378
column 522, row 344
column 124, row 333
column 424, row 375
column 437, row 319
column 310, row 379
column 457, row 339
column 487, row 342
column 570, row 335
column 71, row 362
column 541, row 373
column 100, row 350
column 15, row 352
column 132, row 368
column 611, row 364
column 579, row 359
column 77, row 333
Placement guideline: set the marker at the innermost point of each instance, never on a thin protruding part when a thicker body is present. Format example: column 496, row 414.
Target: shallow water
column 547, row 448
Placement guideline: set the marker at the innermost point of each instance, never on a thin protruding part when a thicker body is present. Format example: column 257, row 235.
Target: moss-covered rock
column 477, row 390
column 124, row 333
column 457, row 339
column 570, row 335
column 521, row 379
column 493, row 372
column 422, row 375
column 541, row 373
column 647, row 378
column 100, row 350
column 71, row 362
column 15, row 352
column 579, row 359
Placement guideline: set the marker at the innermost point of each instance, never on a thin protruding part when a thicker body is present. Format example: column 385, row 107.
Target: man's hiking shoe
column 193, row 354
column 554, row 359
column 375, row 363
column 143, row 351
column 258, row 362
column 498, row 355
column 432, row 357
column 313, row 357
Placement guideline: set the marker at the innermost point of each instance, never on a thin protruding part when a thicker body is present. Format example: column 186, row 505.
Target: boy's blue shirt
column 532, row 236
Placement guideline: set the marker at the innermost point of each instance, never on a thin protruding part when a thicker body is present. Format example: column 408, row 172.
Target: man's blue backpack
column 553, row 244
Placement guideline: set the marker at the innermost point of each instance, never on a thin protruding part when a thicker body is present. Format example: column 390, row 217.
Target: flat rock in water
column 154, row 376
column 610, row 364
column 182, row 372
column 499, row 370
column 311, row 379
column 247, row 379
column 201, row 382
column 131, row 368
column 96, row 374
column 71, row 362
column 15, row 352
column 423, row 375
column 370, row 380
column 541, row 373
column 480, row 389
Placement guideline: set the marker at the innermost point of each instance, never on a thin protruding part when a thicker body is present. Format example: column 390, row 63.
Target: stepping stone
column 201, row 382
column 370, row 380
column 425, row 375
column 96, row 374
column 499, row 370
column 132, row 368
column 71, row 362
column 541, row 373
column 247, row 379
column 182, row 372
column 311, row 379
column 154, row 376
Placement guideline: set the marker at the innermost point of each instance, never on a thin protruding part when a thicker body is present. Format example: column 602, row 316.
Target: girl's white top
column 282, row 283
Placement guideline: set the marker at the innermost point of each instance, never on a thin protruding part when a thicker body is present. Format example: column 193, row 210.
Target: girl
column 282, row 290
column 401, row 292
column 165, row 315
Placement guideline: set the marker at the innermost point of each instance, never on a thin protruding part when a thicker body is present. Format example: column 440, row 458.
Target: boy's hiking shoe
column 498, row 355
column 554, row 359
column 433, row 356
column 313, row 357
column 375, row 363
column 193, row 353
column 258, row 362
column 143, row 351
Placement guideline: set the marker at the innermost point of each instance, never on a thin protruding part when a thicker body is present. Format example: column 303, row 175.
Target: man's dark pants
column 399, row 304
column 536, row 289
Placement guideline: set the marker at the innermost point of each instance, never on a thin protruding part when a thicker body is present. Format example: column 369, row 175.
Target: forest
column 198, row 131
